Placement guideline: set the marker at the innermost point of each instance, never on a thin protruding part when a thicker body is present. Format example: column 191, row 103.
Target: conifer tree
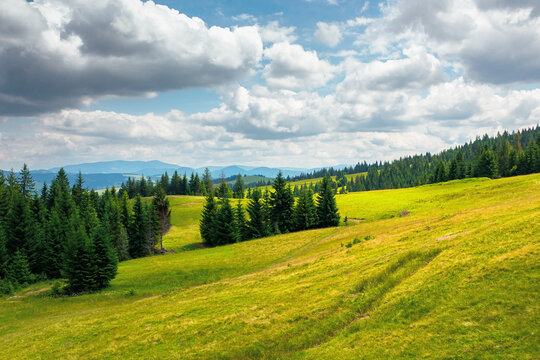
column 125, row 211
column 106, row 261
column 138, row 230
column 19, row 225
column 161, row 204
column 206, row 225
column 77, row 191
column 238, row 189
column 256, row 224
column 486, row 165
column 26, row 182
column 18, row 270
column 281, row 205
column 224, row 224
column 4, row 256
column 327, row 211
column 305, row 211
column 241, row 229
column 207, row 178
column 79, row 265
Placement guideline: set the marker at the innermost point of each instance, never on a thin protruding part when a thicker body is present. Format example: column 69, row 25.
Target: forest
column 72, row 233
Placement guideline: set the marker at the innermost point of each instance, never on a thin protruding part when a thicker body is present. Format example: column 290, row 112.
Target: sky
column 284, row 83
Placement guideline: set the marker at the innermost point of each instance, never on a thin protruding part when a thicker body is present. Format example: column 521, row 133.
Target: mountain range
column 99, row 175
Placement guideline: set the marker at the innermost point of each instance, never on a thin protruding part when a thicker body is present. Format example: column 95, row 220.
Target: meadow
column 449, row 270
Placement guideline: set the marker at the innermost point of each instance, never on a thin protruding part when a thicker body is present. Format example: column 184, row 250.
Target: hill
column 447, row 270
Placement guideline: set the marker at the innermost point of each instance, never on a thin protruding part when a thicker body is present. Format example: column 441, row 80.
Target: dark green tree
column 161, row 205
column 26, row 182
column 327, row 211
column 106, row 261
column 238, row 188
column 224, row 224
column 256, row 224
column 18, row 270
column 206, row 225
column 240, row 224
column 305, row 211
column 486, row 165
column 138, row 230
column 281, row 205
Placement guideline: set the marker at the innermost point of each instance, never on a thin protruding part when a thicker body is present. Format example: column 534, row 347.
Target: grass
column 458, row 277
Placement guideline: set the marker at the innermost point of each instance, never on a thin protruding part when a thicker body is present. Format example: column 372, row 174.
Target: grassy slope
column 456, row 278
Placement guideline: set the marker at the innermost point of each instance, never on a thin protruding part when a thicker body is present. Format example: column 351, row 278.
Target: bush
column 6, row 287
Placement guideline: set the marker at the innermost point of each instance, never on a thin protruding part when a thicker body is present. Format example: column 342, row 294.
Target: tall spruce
column 161, row 204
column 327, row 211
column 305, row 211
column 26, row 182
column 224, row 224
column 238, row 188
column 281, row 205
column 240, row 224
column 256, row 224
column 206, row 225
column 138, row 230
column 106, row 260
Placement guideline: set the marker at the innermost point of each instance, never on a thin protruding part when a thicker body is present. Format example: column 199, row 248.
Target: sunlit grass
column 457, row 277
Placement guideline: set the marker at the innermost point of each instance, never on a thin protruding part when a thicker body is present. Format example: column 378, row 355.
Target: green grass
column 458, row 277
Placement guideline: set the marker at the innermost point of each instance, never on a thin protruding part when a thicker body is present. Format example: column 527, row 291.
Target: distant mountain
column 99, row 175
column 153, row 167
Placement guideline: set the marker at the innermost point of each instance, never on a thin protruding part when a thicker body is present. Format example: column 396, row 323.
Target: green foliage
column 305, row 212
column 207, row 231
column 281, row 205
column 139, row 231
column 18, row 269
column 106, row 260
column 238, row 188
column 223, row 224
column 327, row 211
column 256, row 224
column 486, row 165
column 240, row 224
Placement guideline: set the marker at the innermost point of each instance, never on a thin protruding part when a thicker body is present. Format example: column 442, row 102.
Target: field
column 441, row 271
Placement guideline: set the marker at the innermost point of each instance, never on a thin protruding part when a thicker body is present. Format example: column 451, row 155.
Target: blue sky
column 271, row 83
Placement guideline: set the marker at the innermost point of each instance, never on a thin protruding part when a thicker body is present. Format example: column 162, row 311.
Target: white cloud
column 274, row 33
column 292, row 67
column 58, row 54
column 328, row 34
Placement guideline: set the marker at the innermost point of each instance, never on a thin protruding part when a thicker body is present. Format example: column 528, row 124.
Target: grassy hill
column 456, row 275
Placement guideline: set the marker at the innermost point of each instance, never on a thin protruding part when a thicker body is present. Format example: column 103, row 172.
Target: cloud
column 495, row 41
column 58, row 55
column 328, row 34
column 274, row 33
column 292, row 67
column 244, row 17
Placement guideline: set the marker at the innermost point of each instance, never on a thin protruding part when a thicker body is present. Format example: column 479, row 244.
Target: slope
column 454, row 276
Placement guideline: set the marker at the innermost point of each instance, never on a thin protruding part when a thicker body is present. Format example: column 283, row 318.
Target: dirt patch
column 27, row 293
column 447, row 237
column 354, row 220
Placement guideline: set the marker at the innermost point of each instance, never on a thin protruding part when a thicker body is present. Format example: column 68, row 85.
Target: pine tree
column 486, row 165
column 106, row 261
column 79, row 265
column 240, row 224
column 305, row 211
column 281, row 205
column 138, row 230
column 77, row 191
column 238, row 189
column 207, row 178
column 206, row 226
column 19, row 225
column 161, row 204
column 18, row 270
column 26, row 182
column 327, row 211
column 4, row 256
column 224, row 224
column 256, row 224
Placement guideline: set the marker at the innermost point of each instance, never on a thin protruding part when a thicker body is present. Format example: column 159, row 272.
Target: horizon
column 273, row 84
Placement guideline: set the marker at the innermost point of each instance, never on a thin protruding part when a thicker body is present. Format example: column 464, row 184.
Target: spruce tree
column 26, row 182
column 238, row 189
column 281, row 205
column 207, row 178
column 240, row 224
column 161, row 204
column 327, row 211
column 79, row 265
column 4, row 256
column 18, row 270
column 19, row 225
column 224, row 224
column 138, row 230
column 256, row 224
column 305, row 211
column 486, row 165
column 106, row 261
column 206, row 226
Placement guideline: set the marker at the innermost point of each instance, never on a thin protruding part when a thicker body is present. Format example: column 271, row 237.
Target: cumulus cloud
column 274, row 33
column 328, row 34
column 292, row 67
column 496, row 41
column 57, row 54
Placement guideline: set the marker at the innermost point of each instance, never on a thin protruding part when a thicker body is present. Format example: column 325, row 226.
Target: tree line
column 72, row 233
column 274, row 213
column 507, row 154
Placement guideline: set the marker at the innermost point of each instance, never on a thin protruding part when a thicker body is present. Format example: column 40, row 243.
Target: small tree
column 161, row 204
column 238, row 189
column 305, row 212
column 106, row 261
column 240, row 224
